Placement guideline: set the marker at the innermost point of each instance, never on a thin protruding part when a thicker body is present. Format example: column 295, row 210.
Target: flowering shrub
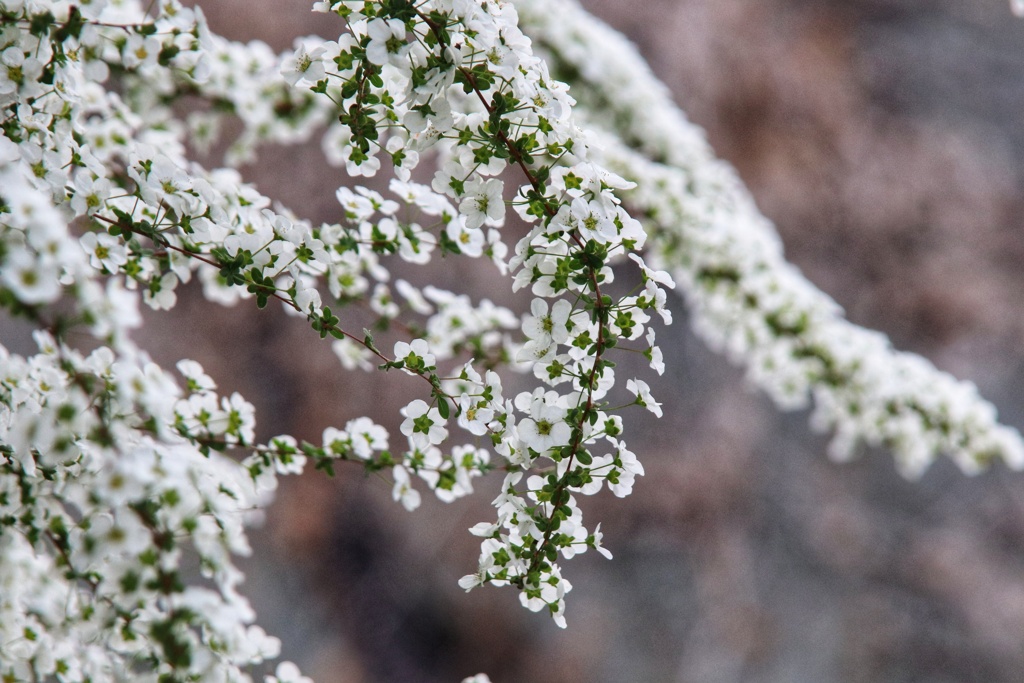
column 114, row 470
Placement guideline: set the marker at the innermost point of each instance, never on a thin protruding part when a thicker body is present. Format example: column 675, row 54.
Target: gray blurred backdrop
column 886, row 140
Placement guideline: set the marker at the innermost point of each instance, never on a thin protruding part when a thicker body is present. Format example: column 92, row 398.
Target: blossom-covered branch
column 745, row 299
column 113, row 469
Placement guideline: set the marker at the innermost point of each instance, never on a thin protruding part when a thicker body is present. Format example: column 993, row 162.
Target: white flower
column 537, row 352
column 287, row 672
column 468, row 583
column 482, row 202
column 437, row 115
column 351, row 354
column 657, row 297
column 18, row 71
column 365, row 167
column 415, row 244
column 140, row 50
column 593, row 221
column 113, row 308
column 159, row 295
column 422, row 196
column 451, row 171
column 423, row 425
column 11, row 73
column 307, row 297
column 357, row 207
column 627, row 468
column 475, row 416
column 545, row 428
column 502, row 60
column 403, row 490
column 367, row 437
column 470, row 241
column 654, row 354
column 336, row 442
column 33, row 280
column 550, row 593
column 417, row 356
column 106, row 252
column 597, row 536
column 383, row 304
column 469, row 462
column 642, row 392
column 304, row 65
column 241, row 417
column 90, row 193
column 198, row 381
column 545, row 328
column 387, row 41
column 413, row 297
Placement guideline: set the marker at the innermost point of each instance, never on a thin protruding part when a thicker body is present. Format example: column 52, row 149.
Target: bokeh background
column 886, row 140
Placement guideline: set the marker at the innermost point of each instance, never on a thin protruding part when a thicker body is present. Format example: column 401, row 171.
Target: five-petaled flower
column 423, row 425
column 545, row 428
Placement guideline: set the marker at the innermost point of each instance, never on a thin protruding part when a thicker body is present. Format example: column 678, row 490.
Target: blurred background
column 886, row 140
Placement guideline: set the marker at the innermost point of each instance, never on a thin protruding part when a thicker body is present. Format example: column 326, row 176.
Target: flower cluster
column 461, row 79
column 112, row 473
column 744, row 298
column 110, row 483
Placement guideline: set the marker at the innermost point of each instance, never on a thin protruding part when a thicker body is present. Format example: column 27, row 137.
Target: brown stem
column 288, row 302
